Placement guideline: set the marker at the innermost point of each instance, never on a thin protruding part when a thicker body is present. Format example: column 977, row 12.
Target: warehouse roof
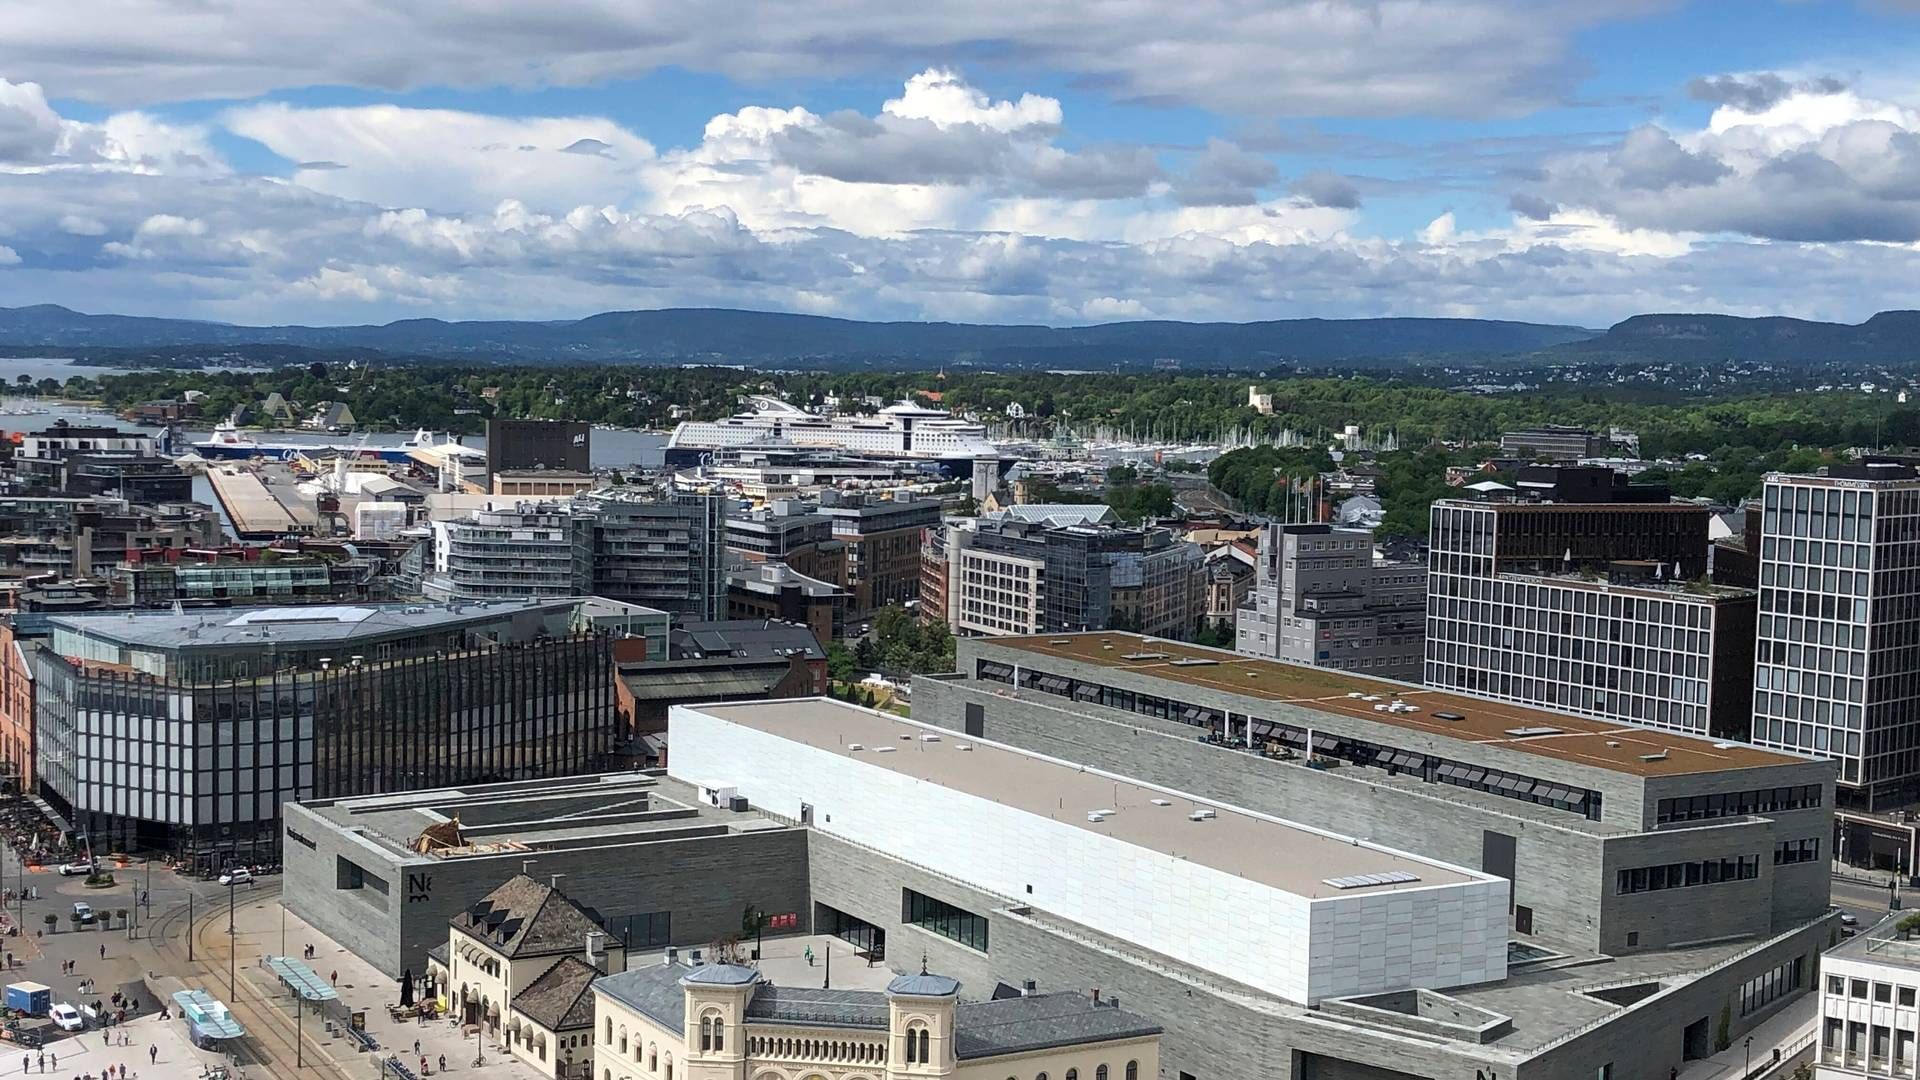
column 1280, row 854
column 1579, row 740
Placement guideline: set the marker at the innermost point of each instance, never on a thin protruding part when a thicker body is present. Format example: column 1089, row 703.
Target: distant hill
column 1891, row 337
column 679, row 335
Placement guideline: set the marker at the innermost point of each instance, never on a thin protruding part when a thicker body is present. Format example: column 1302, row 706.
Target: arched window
column 913, row 1046
column 609, row 1029
column 1100, row 1072
column 719, row 1034
column 926, row 1037
column 706, row 1033
column 1040, row 1076
column 653, row 1058
column 668, row 1066
column 1133, row 1070
column 1073, row 1074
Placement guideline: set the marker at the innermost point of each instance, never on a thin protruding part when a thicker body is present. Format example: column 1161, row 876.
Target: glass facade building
column 1837, row 660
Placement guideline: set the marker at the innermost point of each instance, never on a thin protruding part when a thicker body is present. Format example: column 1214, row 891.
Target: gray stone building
column 1322, row 597
column 383, row 874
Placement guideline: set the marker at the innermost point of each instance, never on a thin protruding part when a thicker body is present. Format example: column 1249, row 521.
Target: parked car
column 76, row 869
column 239, row 875
column 83, row 911
column 1848, row 919
column 67, row 1017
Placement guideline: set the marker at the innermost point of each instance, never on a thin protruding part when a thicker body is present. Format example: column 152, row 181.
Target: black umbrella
column 406, row 988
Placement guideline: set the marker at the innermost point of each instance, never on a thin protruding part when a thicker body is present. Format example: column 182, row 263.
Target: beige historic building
column 724, row 1022
column 519, row 964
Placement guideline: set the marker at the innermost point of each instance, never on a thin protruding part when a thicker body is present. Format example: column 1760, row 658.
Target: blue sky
column 999, row 162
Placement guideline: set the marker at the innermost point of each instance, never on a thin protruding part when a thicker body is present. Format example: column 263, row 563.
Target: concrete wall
column 704, row 882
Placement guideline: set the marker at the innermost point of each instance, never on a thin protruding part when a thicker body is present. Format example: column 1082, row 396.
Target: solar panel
column 1363, row 881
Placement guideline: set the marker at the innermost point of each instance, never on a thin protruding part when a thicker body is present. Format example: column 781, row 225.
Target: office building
column 1554, row 442
column 75, row 459
column 776, row 591
column 788, row 531
column 522, row 445
column 1868, row 1017
column 1837, row 647
column 149, row 583
column 186, row 733
column 662, row 547
column 516, row 551
column 70, row 538
column 1323, row 596
column 1010, row 574
column 659, row 547
column 1598, row 608
column 1696, row 868
column 882, row 538
column 543, row 484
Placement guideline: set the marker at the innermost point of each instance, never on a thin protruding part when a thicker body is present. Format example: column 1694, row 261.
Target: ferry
column 899, row 432
column 228, row 443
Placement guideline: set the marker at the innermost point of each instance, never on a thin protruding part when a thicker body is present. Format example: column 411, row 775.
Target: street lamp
column 1749, row 1068
column 233, row 939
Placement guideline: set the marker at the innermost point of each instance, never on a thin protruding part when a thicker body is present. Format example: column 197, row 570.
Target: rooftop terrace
column 1578, row 740
column 1282, row 855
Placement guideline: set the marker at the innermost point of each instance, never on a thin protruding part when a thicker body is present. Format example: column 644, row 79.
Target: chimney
column 1096, row 995
column 553, row 881
column 596, row 950
column 673, row 956
column 1029, row 988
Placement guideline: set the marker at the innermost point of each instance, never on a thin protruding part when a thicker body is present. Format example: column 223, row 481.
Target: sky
column 998, row 161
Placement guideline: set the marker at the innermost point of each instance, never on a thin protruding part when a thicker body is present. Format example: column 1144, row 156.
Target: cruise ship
column 898, row 432
column 228, row 443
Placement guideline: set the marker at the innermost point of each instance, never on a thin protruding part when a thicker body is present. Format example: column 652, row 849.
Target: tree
column 317, row 371
column 839, row 663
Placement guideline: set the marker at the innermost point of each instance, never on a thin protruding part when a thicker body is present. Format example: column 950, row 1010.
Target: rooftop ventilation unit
column 884, row 749
column 1202, row 815
column 1448, row 716
column 1369, row 697
column 1615, row 743
column 1363, row 881
column 1161, row 802
column 1723, row 746
column 1533, row 732
column 963, row 747
column 1061, row 641
column 1143, row 656
column 1658, row 755
column 1354, row 694
column 855, row 746
column 1193, row 661
column 929, row 738
column 1096, row 816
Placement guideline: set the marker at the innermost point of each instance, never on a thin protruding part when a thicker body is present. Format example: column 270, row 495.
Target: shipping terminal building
column 1295, row 872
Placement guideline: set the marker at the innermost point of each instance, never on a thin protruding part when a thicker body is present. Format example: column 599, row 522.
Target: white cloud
column 1781, row 160
column 8, row 256
column 942, row 97
column 449, row 159
column 33, row 138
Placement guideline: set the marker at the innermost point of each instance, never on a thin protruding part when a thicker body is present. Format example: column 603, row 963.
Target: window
column 944, row 919
column 1836, row 985
column 1773, row 984
column 1100, row 1072
column 719, row 1034
column 913, row 1046
column 1683, row 875
column 1906, row 996
column 1133, row 1070
column 926, row 1056
column 1882, row 993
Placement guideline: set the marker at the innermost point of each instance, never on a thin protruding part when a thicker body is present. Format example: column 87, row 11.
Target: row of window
column 1581, row 801
column 1858, row 989
column 944, row 919
column 1788, row 852
column 1687, row 874
column 1738, row 804
column 1769, row 986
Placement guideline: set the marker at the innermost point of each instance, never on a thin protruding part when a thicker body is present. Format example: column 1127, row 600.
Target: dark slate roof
column 743, row 637
column 527, row 918
column 653, row 991
column 1025, row 1024
column 439, row 952
column 924, row 985
column 560, row 1000
column 813, row 1005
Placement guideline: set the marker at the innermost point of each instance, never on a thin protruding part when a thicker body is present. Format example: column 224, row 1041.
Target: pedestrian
column 334, row 978
column 153, row 1054
column 423, row 1063
column 443, row 1063
column 43, row 1061
column 416, row 1047
column 103, row 952
column 25, row 1060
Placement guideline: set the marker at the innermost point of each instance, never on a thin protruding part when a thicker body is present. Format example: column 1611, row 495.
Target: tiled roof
column 653, row 991
column 559, row 1000
column 526, row 918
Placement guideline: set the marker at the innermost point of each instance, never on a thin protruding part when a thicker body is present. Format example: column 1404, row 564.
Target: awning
column 302, row 979
column 210, row 1017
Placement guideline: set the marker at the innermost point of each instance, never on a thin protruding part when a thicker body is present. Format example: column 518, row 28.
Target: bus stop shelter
column 209, row 1022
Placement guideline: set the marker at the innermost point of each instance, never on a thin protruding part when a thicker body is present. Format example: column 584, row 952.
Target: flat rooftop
column 579, row 812
column 1586, row 741
column 1881, row 944
column 1277, row 853
column 294, row 624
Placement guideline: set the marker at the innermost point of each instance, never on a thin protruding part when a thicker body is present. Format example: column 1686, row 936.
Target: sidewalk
column 361, row 987
column 1783, row 1029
